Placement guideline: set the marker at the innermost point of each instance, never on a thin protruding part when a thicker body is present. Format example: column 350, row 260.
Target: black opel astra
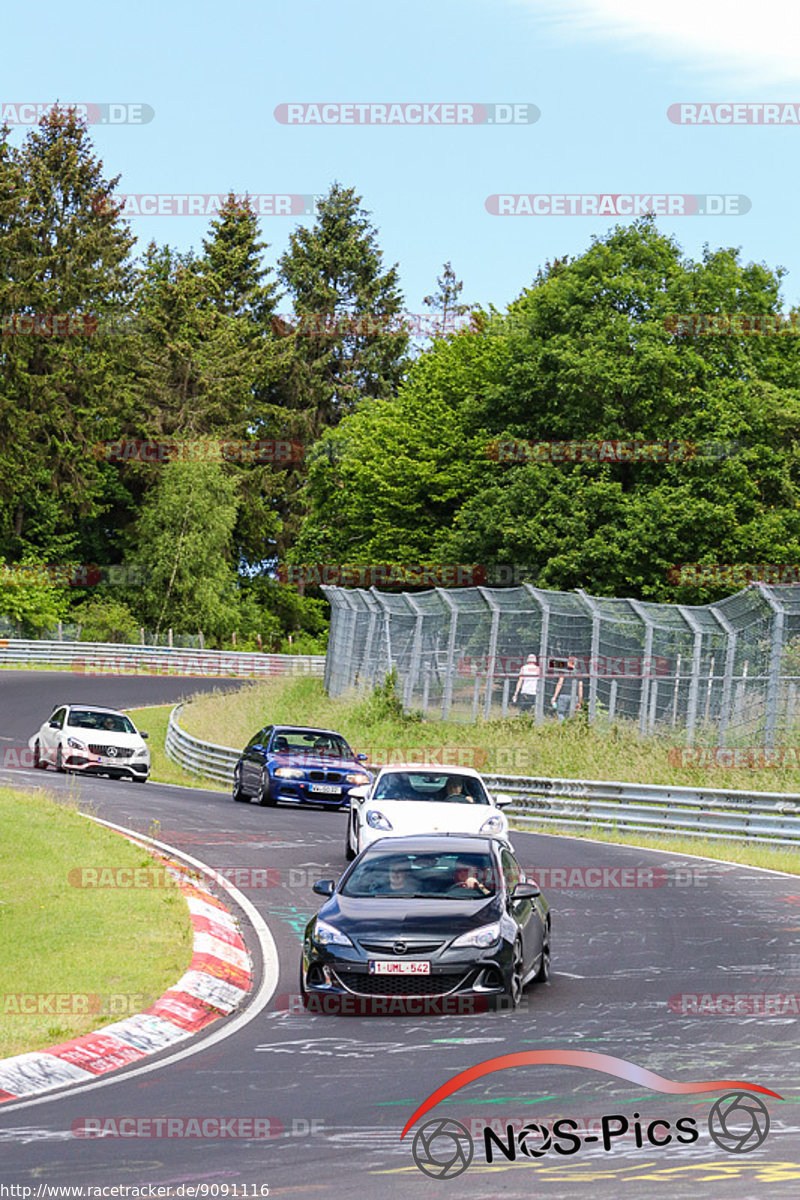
column 439, row 915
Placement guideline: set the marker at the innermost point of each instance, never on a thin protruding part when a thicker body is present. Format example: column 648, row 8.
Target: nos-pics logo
column 738, row 1122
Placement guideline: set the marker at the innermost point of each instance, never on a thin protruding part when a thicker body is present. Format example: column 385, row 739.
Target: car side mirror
column 502, row 799
column 259, row 747
column 324, row 887
column 144, row 735
column 526, row 891
column 54, row 724
column 361, row 757
column 359, row 793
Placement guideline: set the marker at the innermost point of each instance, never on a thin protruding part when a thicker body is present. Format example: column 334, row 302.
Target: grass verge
column 79, row 957
column 154, row 720
column 515, row 746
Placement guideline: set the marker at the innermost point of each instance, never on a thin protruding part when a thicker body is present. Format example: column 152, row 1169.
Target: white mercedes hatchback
column 419, row 798
column 91, row 740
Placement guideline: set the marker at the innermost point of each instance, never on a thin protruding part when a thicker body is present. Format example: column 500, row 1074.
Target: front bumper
column 88, row 763
column 299, row 791
column 453, row 972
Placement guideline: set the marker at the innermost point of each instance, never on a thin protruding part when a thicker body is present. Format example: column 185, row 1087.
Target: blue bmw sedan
column 299, row 765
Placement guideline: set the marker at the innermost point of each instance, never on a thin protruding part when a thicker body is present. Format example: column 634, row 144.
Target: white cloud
column 741, row 42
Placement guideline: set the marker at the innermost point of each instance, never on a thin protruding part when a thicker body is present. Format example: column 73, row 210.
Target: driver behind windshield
column 454, row 790
column 466, row 876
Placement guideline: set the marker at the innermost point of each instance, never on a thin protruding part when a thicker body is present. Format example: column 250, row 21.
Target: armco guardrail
column 107, row 658
column 582, row 803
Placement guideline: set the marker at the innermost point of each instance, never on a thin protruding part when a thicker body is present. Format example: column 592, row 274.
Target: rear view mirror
column 526, row 891
column 324, row 887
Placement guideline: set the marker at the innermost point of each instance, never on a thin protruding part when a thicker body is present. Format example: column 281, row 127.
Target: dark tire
column 139, row 778
column 264, row 794
column 238, row 795
column 38, row 761
column 60, row 762
column 349, row 852
column 515, row 977
column 543, row 974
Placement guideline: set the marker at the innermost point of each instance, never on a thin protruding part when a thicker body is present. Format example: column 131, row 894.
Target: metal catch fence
column 726, row 673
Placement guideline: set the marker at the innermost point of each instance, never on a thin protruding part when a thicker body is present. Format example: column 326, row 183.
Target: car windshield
column 448, row 786
column 433, row 876
column 102, row 722
column 310, row 741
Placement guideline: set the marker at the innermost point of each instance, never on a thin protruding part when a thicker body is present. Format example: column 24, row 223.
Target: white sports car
column 92, row 741
column 417, row 798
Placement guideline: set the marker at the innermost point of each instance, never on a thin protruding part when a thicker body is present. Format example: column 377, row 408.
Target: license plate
column 400, row 966
column 329, row 789
column 108, row 761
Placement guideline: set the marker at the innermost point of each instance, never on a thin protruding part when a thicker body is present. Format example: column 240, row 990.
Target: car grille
column 400, row 985
column 111, row 751
column 325, row 776
column 413, row 949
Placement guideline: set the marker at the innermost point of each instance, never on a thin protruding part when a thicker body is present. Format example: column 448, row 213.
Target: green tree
column 336, row 278
column 63, row 253
column 445, row 299
column 183, row 545
column 588, row 353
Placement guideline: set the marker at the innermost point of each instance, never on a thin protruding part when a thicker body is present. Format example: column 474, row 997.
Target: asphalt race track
column 338, row 1090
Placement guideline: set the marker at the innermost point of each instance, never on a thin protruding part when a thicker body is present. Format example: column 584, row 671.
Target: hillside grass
column 100, row 953
column 514, row 746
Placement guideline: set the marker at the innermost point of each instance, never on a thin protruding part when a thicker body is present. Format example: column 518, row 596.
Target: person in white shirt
column 528, row 683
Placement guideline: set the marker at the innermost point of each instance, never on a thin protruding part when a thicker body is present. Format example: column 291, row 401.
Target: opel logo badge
column 400, row 947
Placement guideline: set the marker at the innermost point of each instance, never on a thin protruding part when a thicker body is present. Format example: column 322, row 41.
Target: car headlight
column 329, row 935
column 493, row 825
column 141, row 752
column 77, row 744
column 357, row 777
column 487, row 935
column 376, row 820
column 290, row 772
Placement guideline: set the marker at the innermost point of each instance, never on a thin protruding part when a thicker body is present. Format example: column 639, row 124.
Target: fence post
column 495, row 610
column 774, row 678
column 416, row 653
column 447, row 690
column 543, row 639
column 594, row 608
column 694, row 682
column 727, row 678
column 644, row 693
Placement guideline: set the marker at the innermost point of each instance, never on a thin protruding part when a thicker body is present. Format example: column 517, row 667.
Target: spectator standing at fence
column 562, row 700
column 528, row 683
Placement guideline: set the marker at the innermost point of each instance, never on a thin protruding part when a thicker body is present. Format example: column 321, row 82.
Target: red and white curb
column 217, row 982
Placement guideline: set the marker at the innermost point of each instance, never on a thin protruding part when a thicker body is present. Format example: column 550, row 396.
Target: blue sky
column 602, row 72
